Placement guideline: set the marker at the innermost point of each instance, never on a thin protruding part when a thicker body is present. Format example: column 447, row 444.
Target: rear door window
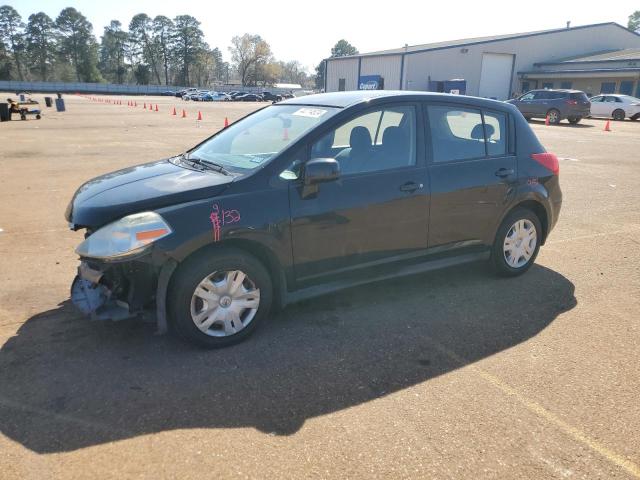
column 459, row 133
column 456, row 133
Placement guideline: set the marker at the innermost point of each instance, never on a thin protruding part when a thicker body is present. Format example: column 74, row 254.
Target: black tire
column 193, row 271
column 554, row 116
column 574, row 120
column 618, row 114
column 635, row 117
column 498, row 260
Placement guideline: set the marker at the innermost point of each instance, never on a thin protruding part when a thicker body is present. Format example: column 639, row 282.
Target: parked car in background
column 186, row 91
column 270, row 97
column 287, row 95
column 194, row 95
column 235, row 94
column 615, row 106
column 259, row 213
column 250, row 97
column 220, row 97
column 556, row 105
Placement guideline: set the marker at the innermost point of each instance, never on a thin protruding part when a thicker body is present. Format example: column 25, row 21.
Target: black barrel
column 48, row 101
column 5, row 116
column 60, row 105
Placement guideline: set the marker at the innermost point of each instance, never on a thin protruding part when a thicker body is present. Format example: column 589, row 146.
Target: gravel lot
column 454, row 374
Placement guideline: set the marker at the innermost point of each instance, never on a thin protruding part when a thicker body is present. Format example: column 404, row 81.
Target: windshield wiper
column 206, row 163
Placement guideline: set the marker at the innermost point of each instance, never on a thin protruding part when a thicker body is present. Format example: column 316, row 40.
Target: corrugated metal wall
column 342, row 68
column 388, row 67
column 459, row 62
column 466, row 62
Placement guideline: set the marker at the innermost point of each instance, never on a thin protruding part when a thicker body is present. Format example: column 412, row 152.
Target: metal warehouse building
column 597, row 58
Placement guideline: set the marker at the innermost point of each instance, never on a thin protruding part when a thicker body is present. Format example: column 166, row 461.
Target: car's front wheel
column 517, row 243
column 219, row 297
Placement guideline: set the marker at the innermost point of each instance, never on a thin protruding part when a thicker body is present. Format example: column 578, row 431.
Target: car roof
column 347, row 99
column 567, row 90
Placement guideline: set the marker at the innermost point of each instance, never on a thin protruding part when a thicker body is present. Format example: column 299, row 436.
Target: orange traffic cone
column 156, row 107
column 184, row 113
column 226, row 122
column 145, row 105
column 546, row 120
column 174, row 111
column 199, row 115
column 607, row 126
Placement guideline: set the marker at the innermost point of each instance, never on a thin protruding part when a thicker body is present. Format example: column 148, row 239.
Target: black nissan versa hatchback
column 309, row 196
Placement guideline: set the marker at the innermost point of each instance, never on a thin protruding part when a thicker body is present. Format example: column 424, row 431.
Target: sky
column 307, row 34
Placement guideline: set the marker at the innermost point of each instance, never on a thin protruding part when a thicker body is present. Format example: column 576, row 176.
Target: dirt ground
column 454, row 374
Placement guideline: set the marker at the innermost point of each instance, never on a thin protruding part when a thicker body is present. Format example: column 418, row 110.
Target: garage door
column 495, row 78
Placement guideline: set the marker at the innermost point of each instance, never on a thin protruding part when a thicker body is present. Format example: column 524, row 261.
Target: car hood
column 140, row 188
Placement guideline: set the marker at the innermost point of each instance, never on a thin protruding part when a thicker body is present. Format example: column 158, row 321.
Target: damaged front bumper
column 117, row 291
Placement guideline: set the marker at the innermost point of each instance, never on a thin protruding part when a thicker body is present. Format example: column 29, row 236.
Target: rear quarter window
column 496, row 133
column 581, row 96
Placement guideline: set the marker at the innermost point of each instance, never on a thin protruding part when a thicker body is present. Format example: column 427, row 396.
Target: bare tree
column 248, row 52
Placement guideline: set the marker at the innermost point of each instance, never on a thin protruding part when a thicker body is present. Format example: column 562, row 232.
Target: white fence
column 112, row 88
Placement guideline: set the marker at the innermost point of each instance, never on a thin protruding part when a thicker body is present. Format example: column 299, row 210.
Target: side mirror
column 321, row 170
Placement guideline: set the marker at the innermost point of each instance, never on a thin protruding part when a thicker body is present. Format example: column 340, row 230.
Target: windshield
column 247, row 144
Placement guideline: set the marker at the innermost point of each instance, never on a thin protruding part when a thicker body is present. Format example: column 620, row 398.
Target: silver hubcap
column 224, row 303
column 553, row 116
column 520, row 243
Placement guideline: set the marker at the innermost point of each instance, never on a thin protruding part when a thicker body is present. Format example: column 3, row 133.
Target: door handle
column 410, row 187
column 504, row 172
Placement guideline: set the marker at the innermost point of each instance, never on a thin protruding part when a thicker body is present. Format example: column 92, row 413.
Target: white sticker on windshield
column 310, row 112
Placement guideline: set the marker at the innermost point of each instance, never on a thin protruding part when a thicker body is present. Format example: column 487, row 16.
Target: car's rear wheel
column 517, row 243
column 218, row 298
column 574, row 120
column 618, row 114
column 554, row 116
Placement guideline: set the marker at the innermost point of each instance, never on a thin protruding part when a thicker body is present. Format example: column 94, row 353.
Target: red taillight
column 572, row 102
column 547, row 160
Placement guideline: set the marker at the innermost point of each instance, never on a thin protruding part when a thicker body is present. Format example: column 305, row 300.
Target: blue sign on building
column 369, row 82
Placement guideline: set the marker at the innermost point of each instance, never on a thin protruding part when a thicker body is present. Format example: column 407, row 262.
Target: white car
column 615, row 106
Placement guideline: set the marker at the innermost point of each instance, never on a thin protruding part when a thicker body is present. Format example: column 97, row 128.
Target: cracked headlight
column 127, row 236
